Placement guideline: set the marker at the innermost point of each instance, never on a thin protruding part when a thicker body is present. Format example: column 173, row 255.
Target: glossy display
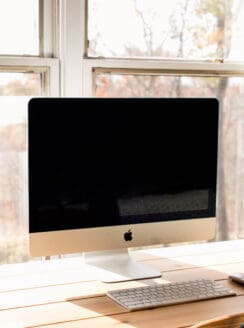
column 105, row 162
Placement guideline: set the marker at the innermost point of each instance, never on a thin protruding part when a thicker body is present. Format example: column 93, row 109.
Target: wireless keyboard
column 168, row 294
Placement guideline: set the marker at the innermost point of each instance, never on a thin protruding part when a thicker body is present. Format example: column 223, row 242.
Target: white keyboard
column 168, row 294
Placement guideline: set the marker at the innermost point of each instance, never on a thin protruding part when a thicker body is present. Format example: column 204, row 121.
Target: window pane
column 230, row 92
column 19, row 27
column 20, row 84
column 13, row 164
column 202, row 29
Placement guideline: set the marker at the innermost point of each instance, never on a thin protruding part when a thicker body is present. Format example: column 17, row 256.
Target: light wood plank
column 41, row 293
column 51, row 294
column 174, row 316
column 76, row 263
column 203, row 260
column 213, row 259
column 48, row 277
column 191, row 249
column 234, row 321
column 215, row 272
column 59, row 293
column 44, row 279
column 69, row 310
column 59, row 312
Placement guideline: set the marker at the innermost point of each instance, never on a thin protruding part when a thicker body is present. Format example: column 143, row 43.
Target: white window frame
column 154, row 67
column 71, row 48
column 63, row 55
column 68, row 70
column 46, row 66
column 45, row 63
column 79, row 71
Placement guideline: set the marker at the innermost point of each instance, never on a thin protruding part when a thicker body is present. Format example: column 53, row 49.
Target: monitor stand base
column 116, row 266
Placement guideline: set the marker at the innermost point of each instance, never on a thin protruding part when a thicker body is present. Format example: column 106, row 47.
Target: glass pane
column 202, row 29
column 20, row 84
column 230, row 92
column 19, row 27
column 13, row 163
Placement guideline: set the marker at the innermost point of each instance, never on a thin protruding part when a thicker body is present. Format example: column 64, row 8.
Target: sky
column 19, row 27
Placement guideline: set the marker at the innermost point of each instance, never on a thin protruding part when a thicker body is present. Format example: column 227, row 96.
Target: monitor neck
column 117, row 265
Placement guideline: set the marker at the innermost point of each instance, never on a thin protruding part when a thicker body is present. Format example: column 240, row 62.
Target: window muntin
column 185, row 29
column 19, row 27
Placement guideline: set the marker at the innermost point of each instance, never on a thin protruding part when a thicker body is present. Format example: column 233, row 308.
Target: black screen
column 104, row 162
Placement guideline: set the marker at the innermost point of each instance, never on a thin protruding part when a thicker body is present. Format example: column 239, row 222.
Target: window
column 125, row 48
column 21, row 77
column 153, row 48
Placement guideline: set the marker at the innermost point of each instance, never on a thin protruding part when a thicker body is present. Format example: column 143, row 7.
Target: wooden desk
column 61, row 294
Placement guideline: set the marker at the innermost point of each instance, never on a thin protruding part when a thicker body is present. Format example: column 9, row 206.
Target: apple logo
column 128, row 235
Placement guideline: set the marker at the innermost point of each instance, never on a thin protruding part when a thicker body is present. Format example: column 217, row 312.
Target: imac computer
column 109, row 174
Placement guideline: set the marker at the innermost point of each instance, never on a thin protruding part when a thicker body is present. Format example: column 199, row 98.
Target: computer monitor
column 109, row 174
